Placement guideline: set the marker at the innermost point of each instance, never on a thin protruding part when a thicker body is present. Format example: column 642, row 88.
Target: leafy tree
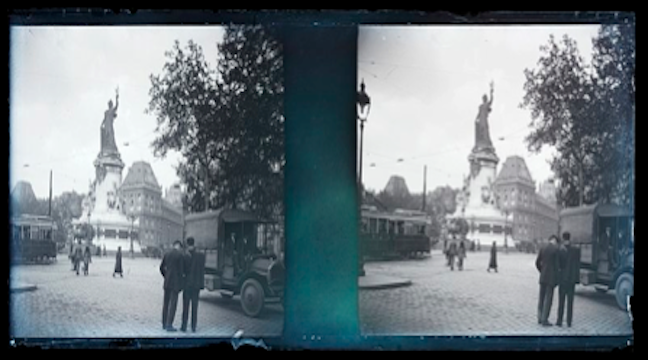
column 459, row 227
column 227, row 123
column 185, row 101
column 251, row 69
column 614, row 64
column 583, row 111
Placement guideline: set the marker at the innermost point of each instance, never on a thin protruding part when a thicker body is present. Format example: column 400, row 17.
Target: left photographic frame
column 147, row 176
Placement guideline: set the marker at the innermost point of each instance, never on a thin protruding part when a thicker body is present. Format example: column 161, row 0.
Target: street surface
column 475, row 302
column 439, row 302
column 98, row 305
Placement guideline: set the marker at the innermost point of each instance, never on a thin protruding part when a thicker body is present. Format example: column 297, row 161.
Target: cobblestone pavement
column 98, row 305
column 474, row 302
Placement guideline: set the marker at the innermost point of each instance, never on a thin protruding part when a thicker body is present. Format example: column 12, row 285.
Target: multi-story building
column 160, row 220
column 533, row 216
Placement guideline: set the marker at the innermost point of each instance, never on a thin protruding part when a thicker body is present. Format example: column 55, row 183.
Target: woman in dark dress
column 452, row 252
column 493, row 258
column 118, row 263
column 86, row 260
column 461, row 255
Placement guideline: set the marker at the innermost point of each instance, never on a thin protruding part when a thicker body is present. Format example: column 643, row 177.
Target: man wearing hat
column 194, row 269
column 569, row 257
column 172, row 268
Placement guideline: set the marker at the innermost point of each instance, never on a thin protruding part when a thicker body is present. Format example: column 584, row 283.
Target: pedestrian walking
column 478, row 245
column 104, row 250
column 492, row 263
column 71, row 255
column 569, row 260
column 194, row 270
column 452, row 252
column 118, row 262
column 461, row 255
column 172, row 269
column 98, row 252
column 548, row 265
column 445, row 251
column 78, row 256
column 86, row 260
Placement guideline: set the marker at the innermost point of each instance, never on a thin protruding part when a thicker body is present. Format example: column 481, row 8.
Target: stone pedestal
column 113, row 228
column 480, row 211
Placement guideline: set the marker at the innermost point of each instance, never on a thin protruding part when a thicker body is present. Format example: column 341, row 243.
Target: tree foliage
column 586, row 111
column 226, row 122
column 439, row 203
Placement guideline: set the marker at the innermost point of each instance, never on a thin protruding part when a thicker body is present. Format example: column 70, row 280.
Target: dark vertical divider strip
column 320, row 187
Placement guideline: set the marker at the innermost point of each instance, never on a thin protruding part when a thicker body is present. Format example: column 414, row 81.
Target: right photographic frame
column 496, row 179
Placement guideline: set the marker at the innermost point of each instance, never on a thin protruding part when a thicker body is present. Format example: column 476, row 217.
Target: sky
column 426, row 85
column 61, row 79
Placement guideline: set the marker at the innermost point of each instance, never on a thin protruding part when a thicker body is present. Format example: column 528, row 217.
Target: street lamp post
column 506, row 214
column 132, row 218
column 363, row 101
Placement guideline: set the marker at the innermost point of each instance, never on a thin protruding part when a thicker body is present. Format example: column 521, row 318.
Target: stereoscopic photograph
column 496, row 172
column 146, row 186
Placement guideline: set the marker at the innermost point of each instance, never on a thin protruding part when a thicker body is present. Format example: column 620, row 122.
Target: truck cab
column 604, row 233
column 242, row 256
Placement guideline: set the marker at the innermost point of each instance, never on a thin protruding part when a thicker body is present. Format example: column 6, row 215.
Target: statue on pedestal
column 108, row 144
column 482, row 133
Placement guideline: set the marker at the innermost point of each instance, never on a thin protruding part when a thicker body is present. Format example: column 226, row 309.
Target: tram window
column 365, row 225
column 26, row 233
column 401, row 228
column 382, row 226
column 422, row 230
column 373, row 225
column 391, row 227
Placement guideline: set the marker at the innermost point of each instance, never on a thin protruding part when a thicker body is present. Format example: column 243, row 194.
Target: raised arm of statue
column 117, row 99
column 490, row 102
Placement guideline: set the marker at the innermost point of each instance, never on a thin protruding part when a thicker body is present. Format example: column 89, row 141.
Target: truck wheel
column 252, row 297
column 623, row 289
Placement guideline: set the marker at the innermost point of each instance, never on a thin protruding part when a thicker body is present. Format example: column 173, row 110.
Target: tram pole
column 49, row 212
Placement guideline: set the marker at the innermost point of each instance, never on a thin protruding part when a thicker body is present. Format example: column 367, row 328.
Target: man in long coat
column 194, row 268
column 172, row 268
column 569, row 258
column 548, row 265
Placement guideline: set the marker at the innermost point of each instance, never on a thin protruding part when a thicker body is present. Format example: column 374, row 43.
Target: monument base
column 113, row 244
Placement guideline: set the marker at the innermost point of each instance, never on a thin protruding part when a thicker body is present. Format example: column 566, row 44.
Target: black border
column 307, row 33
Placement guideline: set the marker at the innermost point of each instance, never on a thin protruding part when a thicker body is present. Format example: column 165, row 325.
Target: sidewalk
column 17, row 286
column 376, row 282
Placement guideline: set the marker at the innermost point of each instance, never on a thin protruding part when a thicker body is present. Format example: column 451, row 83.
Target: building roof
column 515, row 169
column 141, row 174
column 23, row 192
column 397, row 185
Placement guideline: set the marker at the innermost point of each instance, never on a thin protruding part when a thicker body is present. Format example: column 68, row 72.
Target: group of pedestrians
column 82, row 254
column 78, row 254
column 458, row 252
column 558, row 264
column 183, row 270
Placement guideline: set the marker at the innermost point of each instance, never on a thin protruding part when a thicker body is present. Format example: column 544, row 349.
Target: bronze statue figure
column 482, row 133
column 108, row 145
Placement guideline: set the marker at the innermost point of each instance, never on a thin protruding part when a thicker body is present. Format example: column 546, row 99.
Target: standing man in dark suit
column 548, row 265
column 194, row 268
column 172, row 268
column 569, row 257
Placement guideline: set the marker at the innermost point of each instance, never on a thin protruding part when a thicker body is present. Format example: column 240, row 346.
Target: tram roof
column 396, row 216
column 33, row 220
